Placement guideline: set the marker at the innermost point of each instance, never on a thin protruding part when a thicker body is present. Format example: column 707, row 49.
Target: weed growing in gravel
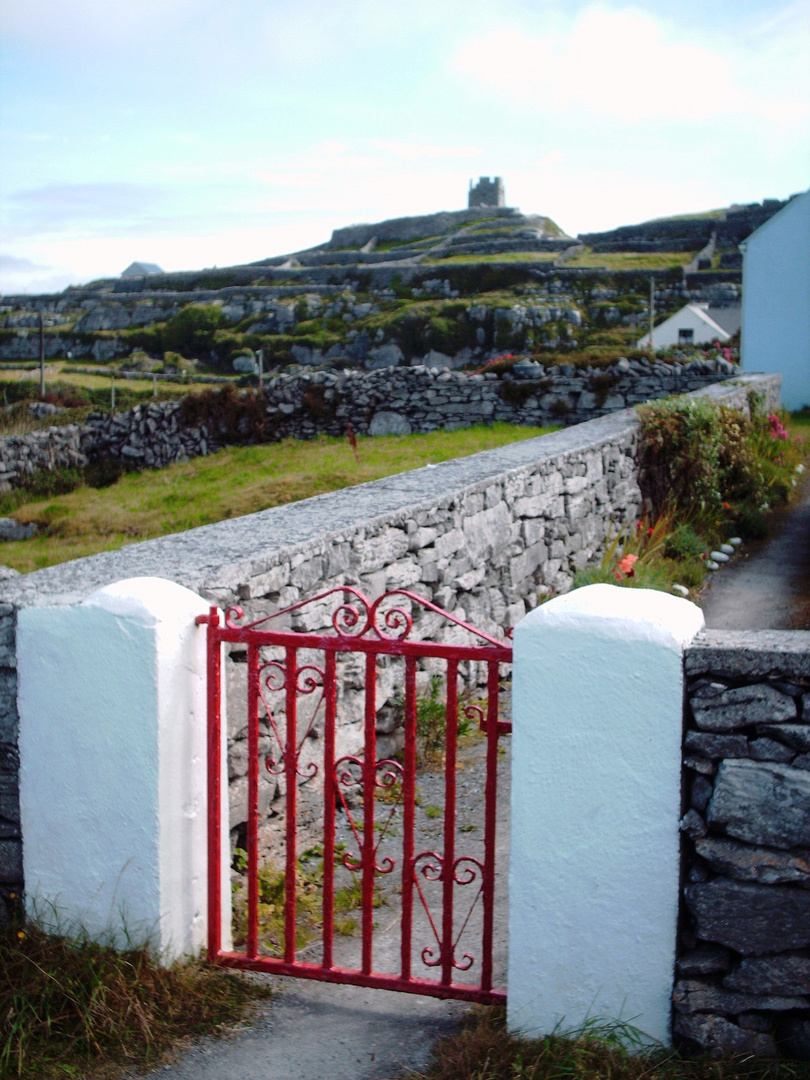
column 431, row 722
column 309, row 901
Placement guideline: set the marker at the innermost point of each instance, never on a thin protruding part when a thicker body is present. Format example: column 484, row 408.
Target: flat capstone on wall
column 743, row 980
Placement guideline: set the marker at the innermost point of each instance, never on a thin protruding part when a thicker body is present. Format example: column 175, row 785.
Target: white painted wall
column 776, row 300
column 596, row 778
column 112, row 709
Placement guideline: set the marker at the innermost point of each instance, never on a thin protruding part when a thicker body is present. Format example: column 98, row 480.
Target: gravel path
column 767, row 586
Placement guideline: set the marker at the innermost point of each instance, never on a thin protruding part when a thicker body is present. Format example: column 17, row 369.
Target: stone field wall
column 744, row 970
column 397, row 400
column 388, row 401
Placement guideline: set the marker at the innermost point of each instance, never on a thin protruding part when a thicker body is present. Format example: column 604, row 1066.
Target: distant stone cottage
column 141, row 269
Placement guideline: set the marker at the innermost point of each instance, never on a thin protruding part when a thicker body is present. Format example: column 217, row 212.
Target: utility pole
column 652, row 310
column 41, row 355
column 260, row 360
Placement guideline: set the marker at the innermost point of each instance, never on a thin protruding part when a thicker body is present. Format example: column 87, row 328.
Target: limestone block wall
column 744, row 969
column 485, row 537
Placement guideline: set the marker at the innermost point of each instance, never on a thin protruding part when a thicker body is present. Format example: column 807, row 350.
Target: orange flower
column 627, row 563
column 726, row 505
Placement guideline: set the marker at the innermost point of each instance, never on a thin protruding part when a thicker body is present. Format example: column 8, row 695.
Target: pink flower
column 626, row 566
column 778, row 430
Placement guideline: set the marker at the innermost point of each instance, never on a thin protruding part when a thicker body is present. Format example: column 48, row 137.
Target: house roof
column 141, row 269
column 711, row 322
column 727, row 318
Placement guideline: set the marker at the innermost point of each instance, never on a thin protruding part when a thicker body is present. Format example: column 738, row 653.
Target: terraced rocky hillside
column 450, row 289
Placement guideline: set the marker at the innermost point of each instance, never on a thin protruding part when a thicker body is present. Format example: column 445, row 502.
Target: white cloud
column 627, row 66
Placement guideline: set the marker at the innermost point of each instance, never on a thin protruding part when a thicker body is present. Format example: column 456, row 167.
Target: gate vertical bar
column 291, row 772
column 408, row 813
column 490, row 822
column 253, row 801
column 369, row 779
column 449, row 858
column 214, row 783
column 329, row 805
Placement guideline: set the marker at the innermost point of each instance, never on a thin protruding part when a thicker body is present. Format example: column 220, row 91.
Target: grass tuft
column 484, row 1050
column 73, row 1007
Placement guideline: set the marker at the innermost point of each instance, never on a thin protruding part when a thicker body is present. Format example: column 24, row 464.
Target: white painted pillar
column 596, row 786
column 112, row 706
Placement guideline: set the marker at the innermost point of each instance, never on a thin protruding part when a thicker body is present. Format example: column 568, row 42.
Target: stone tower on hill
column 486, row 192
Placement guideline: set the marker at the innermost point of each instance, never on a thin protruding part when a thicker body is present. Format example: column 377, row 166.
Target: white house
column 776, row 300
column 694, row 324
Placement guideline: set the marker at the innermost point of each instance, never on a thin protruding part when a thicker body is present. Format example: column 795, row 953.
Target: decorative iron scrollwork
column 387, row 774
column 466, row 871
column 272, row 676
column 359, row 617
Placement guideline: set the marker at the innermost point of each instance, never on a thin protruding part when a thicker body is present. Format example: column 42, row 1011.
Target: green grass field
column 55, row 372
column 630, row 260
column 236, row 481
column 506, row 256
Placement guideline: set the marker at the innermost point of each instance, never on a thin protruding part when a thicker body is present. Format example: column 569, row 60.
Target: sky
column 196, row 133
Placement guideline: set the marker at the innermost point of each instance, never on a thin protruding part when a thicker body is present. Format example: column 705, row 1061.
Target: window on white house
column 685, row 337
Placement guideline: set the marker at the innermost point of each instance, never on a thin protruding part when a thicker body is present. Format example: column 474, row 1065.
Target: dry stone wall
column 398, row 400
column 391, row 401
column 744, row 970
column 153, row 435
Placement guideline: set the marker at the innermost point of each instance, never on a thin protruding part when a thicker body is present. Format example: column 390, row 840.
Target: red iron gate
column 281, row 662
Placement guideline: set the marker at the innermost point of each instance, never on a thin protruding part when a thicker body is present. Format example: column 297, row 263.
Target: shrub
column 518, row 393
column 679, row 455
column 713, row 465
column 191, row 331
column 231, row 416
column 499, row 364
column 684, row 543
